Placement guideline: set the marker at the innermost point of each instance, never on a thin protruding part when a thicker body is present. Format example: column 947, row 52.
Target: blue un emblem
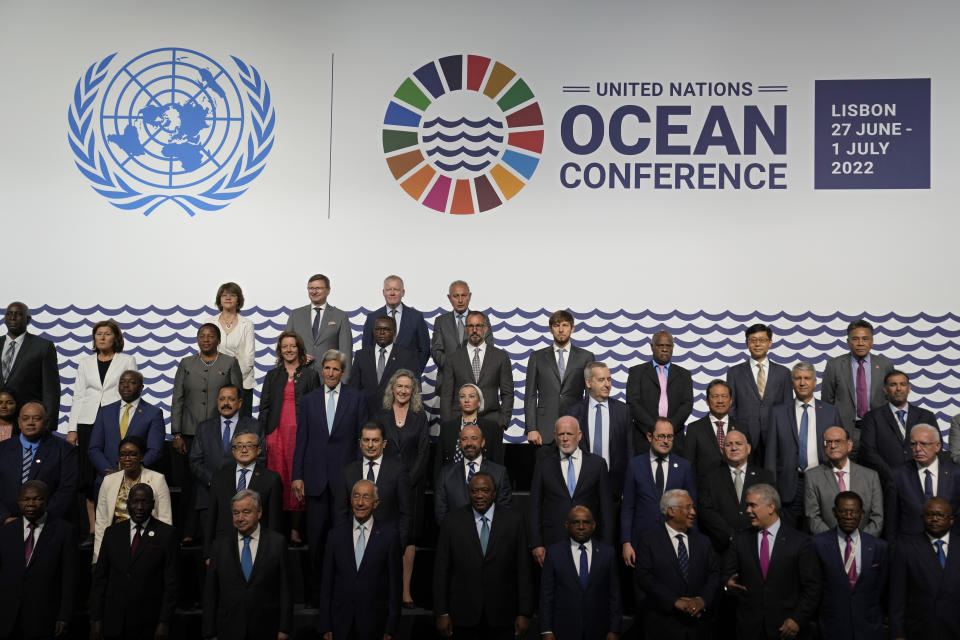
column 171, row 125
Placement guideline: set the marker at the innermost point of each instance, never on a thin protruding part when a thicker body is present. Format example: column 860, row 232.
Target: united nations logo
column 463, row 134
column 171, row 125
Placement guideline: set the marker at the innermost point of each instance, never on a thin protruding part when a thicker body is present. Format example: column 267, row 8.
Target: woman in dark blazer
column 471, row 406
column 280, row 397
column 408, row 440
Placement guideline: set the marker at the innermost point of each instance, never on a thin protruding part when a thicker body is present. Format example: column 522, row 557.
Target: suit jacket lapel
column 145, row 533
column 851, row 378
column 867, row 552
column 372, row 543
column 893, row 424
column 552, row 363
column 778, row 543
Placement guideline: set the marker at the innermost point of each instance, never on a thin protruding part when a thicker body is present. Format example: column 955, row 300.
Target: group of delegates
column 712, row 518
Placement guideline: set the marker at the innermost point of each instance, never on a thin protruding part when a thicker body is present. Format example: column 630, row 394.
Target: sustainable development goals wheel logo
column 171, row 125
column 463, row 134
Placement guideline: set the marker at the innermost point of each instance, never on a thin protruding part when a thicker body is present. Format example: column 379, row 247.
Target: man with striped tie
column 450, row 491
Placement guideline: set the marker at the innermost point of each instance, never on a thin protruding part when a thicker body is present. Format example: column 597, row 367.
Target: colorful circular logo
column 463, row 134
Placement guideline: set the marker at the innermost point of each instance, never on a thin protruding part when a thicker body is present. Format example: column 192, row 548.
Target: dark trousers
column 793, row 512
column 186, row 514
column 320, row 518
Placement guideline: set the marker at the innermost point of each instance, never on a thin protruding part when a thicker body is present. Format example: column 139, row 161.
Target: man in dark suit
column 679, row 573
column 321, row 325
column 326, row 442
column 774, row 571
column 580, row 585
column 853, row 382
column 211, row 446
column 885, row 434
column 659, row 388
column 246, row 473
column 483, row 365
column 373, row 366
column 135, row 581
column 756, row 386
column 449, row 329
column 927, row 476
column 143, row 420
column 561, row 482
column 360, row 589
column 855, row 567
column 723, row 492
column 607, row 428
column 482, row 584
column 247, row 594
column 28, row 364
column 450, row 490
column 703, row 444
column 395, row 506
column 925, row 579
column 554, row 379
column 38, row 565
column 795, row 441
column 411, row 328
column 37, row 455
column 648, row 476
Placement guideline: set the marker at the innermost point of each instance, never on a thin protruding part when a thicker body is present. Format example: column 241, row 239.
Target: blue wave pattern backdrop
column 924, row 346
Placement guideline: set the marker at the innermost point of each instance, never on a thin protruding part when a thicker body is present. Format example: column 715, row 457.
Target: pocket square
column 331, row 323
column 875, row 565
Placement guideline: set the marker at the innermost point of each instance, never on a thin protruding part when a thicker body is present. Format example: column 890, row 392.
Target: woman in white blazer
column 112, row 501
column 238, row 341
column 95, row 386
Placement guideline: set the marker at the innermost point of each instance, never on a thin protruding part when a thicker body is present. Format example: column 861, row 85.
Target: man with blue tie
column 327, row 435
column 580, row 585
column 926, row 476
column 855, row 567
column 450, row 489
column 360, row 588
column 678, row 572
column 411, row 328
column 925, row 579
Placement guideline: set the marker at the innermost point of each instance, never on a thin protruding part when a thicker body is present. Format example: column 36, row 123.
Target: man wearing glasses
column 321, row 325
column 913, row 483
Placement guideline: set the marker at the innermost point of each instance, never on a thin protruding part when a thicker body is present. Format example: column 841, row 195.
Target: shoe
column 409, row 604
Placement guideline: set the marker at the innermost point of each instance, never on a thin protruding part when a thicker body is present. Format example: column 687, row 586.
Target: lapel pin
column 675, row 465
column 150, row 533
column 38, row 461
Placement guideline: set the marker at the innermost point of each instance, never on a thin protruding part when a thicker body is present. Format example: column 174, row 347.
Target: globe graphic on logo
column 171, row 118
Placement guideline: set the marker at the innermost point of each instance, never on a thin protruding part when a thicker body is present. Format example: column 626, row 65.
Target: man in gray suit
column 853, row 382
column 449, row 333
column 824, row 482
column 554, row 379
column 321, row 325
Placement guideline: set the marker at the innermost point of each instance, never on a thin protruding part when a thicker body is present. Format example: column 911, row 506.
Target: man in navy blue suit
column 360, row 589
column 925, row 579
column 580, row 586
column 373, row 366
column 649, row 475
column 327, row 437
column 142, row 419
column 678, row 571
column 795, row 441
column 603, row 416
column 855, row 567
column 412, row 330
column 37, row 455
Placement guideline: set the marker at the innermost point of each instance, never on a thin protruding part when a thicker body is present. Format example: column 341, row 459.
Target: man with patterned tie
column 678, row 572
column 373, row 366
column 321, row 325
column 659, row 388
column 134, row 588
column 450, row 491
column 855, row 568
column 853, row 382
column 360, row 588
column 774, row 571
column 823, row 483
column 247, row 594
column 482, row 578
column 703, row 444
column 28, row 364
column 580, row 585
column 554, row 379
column 886, row 430
column 927, row 476
column 795, row 441
column 38, row 564
column 412, row 332
column 449, row 329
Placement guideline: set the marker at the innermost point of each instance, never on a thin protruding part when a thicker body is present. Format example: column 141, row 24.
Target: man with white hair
column 911, row 484
column 411, row 329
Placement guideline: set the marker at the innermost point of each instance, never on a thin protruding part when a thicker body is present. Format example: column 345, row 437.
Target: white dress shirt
column 396, row 317
column 254, row 543
column 367, row 528
column 575, row 551
column 17, row 343
column 666, row 467
column 336, row 398
column 813, row 458
column 479, row 522
column 470, row 350
column 377, row 464
column 946, row 543
column 236, row 473
column 577, row 456
column 773, row 529
column 855, row 540
column 591, row 425
column 755, row 369
column 673, row 533
column 39, row 526
column 934, row 470
column 846, row 474
column 133, row 528
column 466, row 466
column 239, row 343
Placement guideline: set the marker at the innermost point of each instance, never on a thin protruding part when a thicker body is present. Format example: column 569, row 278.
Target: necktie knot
column 720, row 424
column 805, row 406
column 661, row 459
column 848, row 539
column 765, row 533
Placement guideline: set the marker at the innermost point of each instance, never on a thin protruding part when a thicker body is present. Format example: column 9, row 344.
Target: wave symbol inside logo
column 463, row 134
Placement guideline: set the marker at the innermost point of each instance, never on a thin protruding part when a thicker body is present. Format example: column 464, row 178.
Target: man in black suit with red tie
column 482, row 584
column 679, row 573
column 703, row 443
column 28, row 364
column 659, row 388
column 774, row 571
column 38, row 565
column 135, row 581
column 360, row 589
column 247, row 594
column 580, row 585
column 373, row 365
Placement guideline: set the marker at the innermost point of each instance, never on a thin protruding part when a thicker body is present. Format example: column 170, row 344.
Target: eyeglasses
column 833, row 443
column 937, row 516
column 663, row 437
column 758, row 340
column 317, row 289
column 245, row 447
column 922, row 445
